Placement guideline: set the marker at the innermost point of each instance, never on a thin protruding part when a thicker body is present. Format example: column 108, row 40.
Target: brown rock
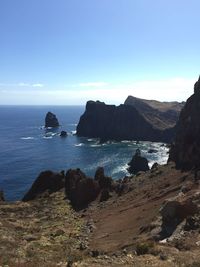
column 79, row 189
column 47, row 181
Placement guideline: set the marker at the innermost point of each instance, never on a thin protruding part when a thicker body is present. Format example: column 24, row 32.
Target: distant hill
column 162, row 115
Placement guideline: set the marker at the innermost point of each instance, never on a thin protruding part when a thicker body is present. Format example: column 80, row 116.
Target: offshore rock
column 51, row 120
column 46, row 181
column 124, row 122
column 186, row 149
column 138, row 163
column 63, row 134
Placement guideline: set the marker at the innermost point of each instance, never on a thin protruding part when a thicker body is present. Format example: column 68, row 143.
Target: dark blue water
column 26, row 148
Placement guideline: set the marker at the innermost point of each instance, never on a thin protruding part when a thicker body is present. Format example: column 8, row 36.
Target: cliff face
column 186, row 148
column 123, row 122
column 161, row 115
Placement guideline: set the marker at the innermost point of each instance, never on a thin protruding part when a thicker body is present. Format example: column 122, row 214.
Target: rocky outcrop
column 186, row 149
column 63, row 134
column 138, row 163
column 47, row 181
column 174, row 211
column 161, row 115
column 124, row 122
column 80, row 189
column 51, row 120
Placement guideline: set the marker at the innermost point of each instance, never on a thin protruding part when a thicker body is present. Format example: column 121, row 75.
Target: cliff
column 186, row 148
column 161, row 115
column 124, row 122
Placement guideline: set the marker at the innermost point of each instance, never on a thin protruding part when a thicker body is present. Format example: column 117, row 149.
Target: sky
column 65, row 52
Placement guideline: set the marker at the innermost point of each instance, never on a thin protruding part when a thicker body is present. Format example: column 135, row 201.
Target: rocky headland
column 149, row 219
column 124, row 122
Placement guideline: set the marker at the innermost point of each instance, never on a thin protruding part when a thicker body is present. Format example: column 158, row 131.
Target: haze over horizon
column 67, row 52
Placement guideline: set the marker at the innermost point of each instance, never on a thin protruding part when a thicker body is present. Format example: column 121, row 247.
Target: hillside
column 161, row 115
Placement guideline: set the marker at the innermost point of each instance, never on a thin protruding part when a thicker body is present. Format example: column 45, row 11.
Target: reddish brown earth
column 119, row 222
column 47, row 232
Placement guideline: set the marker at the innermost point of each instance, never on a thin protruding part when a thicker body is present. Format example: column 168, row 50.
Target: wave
column 81, row 144
column 27, row 138
column 120, row 169
column 47, row 137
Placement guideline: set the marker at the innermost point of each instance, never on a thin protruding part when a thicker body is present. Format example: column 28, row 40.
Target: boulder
column 63, row 134
column 138, row 163
column 174, row 211
column 51, row 120
column 80, row 189
column 185, row 151
column 46, row 181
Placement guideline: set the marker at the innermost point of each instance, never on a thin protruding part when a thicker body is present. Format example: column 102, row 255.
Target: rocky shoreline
column 150, row 219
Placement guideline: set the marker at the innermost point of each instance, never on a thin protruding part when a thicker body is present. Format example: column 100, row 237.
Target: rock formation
column 138, row 163
column 124, row 122
column 47, row 181
column 51, row 120
column 80, row 189
column 63, row 134
column 185, row 151
column 161, row 115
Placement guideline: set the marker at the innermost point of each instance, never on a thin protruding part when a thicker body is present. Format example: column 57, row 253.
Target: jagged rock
column 51, row 120
column 105, row 195
column 104, row 181
column 63, row 134
column 124, row 122
column 46, row 181
column 186, row 149
column 80, row 189
column 2, row 196
column 138, row 163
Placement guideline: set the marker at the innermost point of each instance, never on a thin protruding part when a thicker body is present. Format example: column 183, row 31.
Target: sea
column 27, row 148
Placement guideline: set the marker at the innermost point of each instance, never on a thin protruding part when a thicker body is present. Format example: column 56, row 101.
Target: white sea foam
column 27, row 138
column 47, row 137
column 120, row 168
column 81, row 144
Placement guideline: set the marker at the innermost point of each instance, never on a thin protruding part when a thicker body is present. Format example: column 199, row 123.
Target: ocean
column 27, row 148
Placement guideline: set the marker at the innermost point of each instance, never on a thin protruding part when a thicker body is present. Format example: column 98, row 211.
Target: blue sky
column 70, row 51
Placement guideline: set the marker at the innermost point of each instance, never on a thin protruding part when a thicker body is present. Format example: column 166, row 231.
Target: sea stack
column 185, row 151
column 51, row 120
column 138, row 163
